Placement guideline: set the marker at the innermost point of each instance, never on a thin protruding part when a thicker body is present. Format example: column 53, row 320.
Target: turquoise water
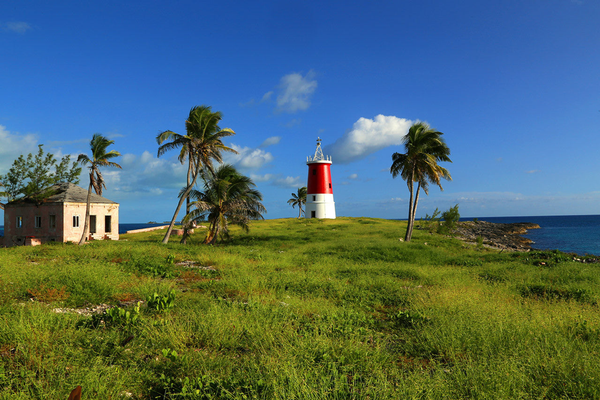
column 571, row 233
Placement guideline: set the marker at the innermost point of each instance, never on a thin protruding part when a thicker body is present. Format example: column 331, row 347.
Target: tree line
column 227, row 196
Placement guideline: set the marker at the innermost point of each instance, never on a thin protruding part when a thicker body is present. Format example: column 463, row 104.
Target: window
column 314, row 198
column 38, row 222
column 107, row 223
column 314, row 171
column 330, row 186
column 19, row 222
column 75, row 221
column 313, row 214
column 92, row 224
column 52, row 222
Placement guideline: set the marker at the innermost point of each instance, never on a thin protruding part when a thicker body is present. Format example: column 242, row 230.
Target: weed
column 161, row 303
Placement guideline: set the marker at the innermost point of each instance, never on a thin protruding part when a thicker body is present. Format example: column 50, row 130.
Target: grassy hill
column 297, row 309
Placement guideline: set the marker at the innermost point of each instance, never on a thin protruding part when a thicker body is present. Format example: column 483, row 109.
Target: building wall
column 15, row 235
column 322, row 205
column 63, row 229
column 73, row 233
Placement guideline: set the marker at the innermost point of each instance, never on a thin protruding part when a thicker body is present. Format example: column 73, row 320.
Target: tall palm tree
column 228, row 198
column 298, row 200
column 424, row 148
column 100, row 158
column 201, row 144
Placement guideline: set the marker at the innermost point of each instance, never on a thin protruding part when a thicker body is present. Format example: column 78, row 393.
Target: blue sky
column 514, row 86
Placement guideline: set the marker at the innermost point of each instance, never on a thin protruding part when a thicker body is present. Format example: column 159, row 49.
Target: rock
column 503, row 236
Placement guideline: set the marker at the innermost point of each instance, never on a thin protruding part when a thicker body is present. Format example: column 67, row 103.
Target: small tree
column 450, row 217
column 298, row 200
column 31, row 175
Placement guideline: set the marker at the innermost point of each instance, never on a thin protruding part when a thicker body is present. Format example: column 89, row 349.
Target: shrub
column 163, row 302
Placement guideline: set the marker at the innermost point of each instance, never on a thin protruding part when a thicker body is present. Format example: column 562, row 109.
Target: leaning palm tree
column 201, row 144
column 424, row 149
column 298, row 200
column 100, row 158
column 228, row 198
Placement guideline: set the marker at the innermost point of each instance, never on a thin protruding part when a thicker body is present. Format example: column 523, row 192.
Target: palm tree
column 228, row 198
column 424, row 149
column 201, row 144
column 100, row 158
column 298, row 200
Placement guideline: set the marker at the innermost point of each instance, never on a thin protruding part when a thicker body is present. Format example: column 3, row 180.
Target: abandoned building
column 59, row 217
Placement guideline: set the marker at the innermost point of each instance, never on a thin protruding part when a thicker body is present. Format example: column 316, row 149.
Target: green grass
column 298, row 309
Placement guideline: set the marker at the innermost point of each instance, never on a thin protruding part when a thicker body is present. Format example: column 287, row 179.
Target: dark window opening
column 38, row 222
column 313, row 214
column 92, row 224
column 107, row 224
column 19, row 222
column 75, row 221
column 330, row 186
column 314, row 198
column 314, row 171
column 52, row 222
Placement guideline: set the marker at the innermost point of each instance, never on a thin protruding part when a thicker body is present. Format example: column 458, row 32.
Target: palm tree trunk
column 179, row 204
column 300, row 212
column 414, row 212
column 87, row 214
column 410, row 205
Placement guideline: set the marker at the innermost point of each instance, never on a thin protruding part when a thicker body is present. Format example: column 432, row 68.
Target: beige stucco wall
column 64, row 230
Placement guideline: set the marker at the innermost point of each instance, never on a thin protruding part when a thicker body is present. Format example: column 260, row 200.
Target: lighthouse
column 319, row 193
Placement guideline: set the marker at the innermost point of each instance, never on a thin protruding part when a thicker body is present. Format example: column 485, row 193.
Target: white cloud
column 295, row 92
column 13, row 145
column 278, row 180
column 368, row 136
column 16, row 26
column 146, row 174
column 353, row 176
column 267, row 96
column 248, row 158
column 293, row 122
column 273, row 140
column 533, row 171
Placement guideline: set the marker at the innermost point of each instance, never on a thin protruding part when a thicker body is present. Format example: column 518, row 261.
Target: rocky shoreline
column 502, row 236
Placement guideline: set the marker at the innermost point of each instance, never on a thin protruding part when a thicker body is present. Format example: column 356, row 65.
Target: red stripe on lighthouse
column 319, row 179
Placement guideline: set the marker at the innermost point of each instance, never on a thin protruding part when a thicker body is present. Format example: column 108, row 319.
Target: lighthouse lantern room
column 319, row 193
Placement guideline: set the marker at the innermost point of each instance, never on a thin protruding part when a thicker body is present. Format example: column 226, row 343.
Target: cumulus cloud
column 353, row 176
column 16, row 26
column 273, row 140
column 247, row 157
column 146, row 174
column 278, row 180
column 368, row 136
column 13, row 145
column 295, row 91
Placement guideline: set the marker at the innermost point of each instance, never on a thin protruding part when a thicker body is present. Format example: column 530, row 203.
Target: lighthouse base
column 320, row 206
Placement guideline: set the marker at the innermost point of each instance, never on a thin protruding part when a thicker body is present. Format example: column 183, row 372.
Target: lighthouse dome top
column 318, row 157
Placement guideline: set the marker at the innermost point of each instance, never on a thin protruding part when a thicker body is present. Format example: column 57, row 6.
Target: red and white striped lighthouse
column 319, row 193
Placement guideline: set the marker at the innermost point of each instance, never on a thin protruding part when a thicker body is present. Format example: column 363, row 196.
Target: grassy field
column 298, row 309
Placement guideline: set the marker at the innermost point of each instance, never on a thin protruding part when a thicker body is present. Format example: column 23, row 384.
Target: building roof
column 70, row 193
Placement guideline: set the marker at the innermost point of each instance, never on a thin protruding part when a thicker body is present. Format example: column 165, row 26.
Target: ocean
column 569, row 233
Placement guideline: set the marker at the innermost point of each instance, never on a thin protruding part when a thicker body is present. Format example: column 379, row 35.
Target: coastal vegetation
column 424, row 148
column 200, row 146
column 229, row 198
column 298, row 309
column 298, row 199
column 100, row 158
column 31, row 175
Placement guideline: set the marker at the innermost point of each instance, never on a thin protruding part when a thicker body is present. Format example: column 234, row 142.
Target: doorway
column 92, row 224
